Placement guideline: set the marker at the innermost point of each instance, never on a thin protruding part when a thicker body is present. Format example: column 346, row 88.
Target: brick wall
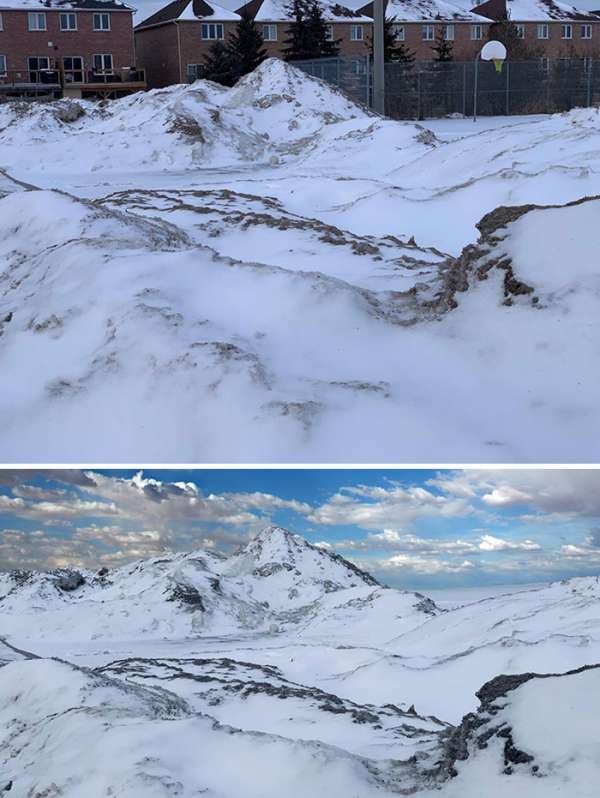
column 157, row 52
column 18, row 43
column 463, row 47
column 341, row 34
column 193, row 46
column 557, row 47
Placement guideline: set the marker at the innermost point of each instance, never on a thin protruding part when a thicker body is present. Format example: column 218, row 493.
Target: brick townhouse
column 172, row 43
column 418, row 23
column 69, row 45
column 552, row 30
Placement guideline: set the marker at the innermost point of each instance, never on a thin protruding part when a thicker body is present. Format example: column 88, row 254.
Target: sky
column 412, row 529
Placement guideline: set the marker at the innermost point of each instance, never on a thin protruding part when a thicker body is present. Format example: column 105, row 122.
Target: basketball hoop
column 491, row 51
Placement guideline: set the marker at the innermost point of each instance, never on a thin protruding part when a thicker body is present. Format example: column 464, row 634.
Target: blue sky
column 417, row 529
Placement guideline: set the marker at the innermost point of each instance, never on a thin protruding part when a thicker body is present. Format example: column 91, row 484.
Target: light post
column 491, row 51
column 378, row 58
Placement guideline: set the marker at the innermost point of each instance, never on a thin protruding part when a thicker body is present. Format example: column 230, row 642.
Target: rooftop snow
column 541, row 10
column 280, row 11
column 427, row 10
column 50, row 5
column 189, row 10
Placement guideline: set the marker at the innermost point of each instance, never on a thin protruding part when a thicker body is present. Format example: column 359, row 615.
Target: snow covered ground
column 285, row 670
column 199, row 274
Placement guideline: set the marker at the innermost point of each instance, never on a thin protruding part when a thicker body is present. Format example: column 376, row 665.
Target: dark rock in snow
column 69, row 581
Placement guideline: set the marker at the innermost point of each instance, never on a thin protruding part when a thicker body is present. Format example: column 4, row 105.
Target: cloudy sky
column 418, row 529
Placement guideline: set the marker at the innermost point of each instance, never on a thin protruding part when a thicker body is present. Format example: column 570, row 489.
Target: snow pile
column 69, row 732
column 533, row 735
column 244, row 275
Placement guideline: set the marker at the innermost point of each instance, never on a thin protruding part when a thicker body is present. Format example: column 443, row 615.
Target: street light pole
column 378, row 58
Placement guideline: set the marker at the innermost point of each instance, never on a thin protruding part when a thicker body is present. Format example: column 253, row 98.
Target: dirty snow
column 199, row 274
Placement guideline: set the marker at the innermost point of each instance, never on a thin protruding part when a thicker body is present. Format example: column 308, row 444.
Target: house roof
column 428, row 11
column 545, row 10
column 57, row 5
column 189, row 10
column 281, row 11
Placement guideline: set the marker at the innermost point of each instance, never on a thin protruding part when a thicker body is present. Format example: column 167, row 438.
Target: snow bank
column 534, row 737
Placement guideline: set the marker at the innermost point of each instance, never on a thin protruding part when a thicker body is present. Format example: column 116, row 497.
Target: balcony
column 75, row 83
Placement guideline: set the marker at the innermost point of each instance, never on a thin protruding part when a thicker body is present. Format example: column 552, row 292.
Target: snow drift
column 246, row 274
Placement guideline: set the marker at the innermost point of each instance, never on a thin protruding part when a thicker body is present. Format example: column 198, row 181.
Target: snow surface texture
column 200, row 274
column 284, row 670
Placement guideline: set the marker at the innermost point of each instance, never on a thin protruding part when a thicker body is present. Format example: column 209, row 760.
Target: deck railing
column 48, row 80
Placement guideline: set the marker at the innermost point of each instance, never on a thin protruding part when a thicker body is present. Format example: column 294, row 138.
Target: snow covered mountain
column 292, row 671
column 251, row 272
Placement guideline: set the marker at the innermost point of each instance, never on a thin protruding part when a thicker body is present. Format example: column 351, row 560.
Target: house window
column 101, row 21
column 427, row 33
column 328, row 33
column 399, row 32
column 360, row 67
column 356, row 33
column 73, row 69
column 520, row 31
column 36, row 21
column 1, row 25
column 195, row 72
column 103, row 63
column 68, row 22
column 448, row 32
column 2, row 65
column 36, row 65
column 269, row 33
column 566, row 31
column 475, row 32
column 212, row 30
column 586, row 31
column 542, row 31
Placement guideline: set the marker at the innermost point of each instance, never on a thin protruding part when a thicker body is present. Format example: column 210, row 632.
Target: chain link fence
column 433, row 89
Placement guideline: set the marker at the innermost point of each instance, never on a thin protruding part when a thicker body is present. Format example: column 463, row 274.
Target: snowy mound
column 533, row 735
column 293, row 104
column 71, row 732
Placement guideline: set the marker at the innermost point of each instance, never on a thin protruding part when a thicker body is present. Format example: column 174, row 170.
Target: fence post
column 589, row 66
column 368, row 103
column 465, row 88
column 418, row 95
column 507, row 88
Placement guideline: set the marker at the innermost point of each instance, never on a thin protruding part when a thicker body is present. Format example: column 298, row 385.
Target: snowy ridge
column 105, row 681
column 346, row 232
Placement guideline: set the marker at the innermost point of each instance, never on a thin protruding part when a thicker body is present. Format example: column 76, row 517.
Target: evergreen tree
column 297, row 44
column 218, row 65
column 317, row 26
column 443, row 48
column 306, row 34
column 245, row 47
column 505, row 31
column 393, row 49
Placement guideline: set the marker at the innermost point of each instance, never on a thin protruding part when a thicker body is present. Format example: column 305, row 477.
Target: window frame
column 206, row 27
column 448, row 28
column 543, row 28
column 99, row 15
column 37, row 15
column 566, row 28
column 3, row 69
column 520, row 29
column 272, row 27
column 425, row 31
column 68, row 15
column 73, row 70
column 328, row 32
column 103, row 70
column 476, row 27
column 399, row 32
column 584, row 28
column 354, row 30
column 1, row 22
